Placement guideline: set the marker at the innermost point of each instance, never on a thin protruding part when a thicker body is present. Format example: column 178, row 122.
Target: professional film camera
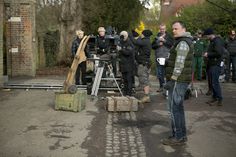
column 108, row 60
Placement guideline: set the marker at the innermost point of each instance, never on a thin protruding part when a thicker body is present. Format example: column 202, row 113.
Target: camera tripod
column 98, row 77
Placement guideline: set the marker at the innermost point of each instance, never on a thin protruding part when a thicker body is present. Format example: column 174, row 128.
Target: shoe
column 212, row 102
column 160, row 90
column 145, row 99
column 208, row 93
column 173, row 142
column 219, row 103
column 184, row 138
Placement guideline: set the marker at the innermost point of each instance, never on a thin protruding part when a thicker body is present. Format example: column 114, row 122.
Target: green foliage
column 122, row 14
column 140, row 28
column 47, row 26
column 51, row 42
column 47, row 19
column 151, row 16
column 202, row 16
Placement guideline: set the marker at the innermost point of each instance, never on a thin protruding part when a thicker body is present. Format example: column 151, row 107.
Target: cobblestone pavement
column 123, row 141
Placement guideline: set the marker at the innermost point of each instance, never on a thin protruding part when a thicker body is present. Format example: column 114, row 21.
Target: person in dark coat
column 214, row 55
column 126, row 51
column 103, row 45
column 144, row 63
column 231, row 47
column 82, row 66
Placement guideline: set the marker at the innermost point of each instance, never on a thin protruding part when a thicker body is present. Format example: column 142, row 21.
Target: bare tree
column 70, row 20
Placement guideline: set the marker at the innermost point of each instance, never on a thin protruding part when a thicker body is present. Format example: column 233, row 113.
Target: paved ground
column 30, row 127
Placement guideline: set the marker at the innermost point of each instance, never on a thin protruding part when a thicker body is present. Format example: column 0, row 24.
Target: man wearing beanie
column 144, row 63
column 214, row 55
column 178, row 76
column 126, row 54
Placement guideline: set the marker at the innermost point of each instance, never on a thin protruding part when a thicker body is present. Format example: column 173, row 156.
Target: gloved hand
column 170, row 84
column 118, row 48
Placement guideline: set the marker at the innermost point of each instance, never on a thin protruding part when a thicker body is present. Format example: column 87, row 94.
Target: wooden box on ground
column 117, row 104
column 71, row 102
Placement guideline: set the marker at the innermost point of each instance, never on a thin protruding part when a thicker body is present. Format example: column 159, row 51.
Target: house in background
column 173, row 7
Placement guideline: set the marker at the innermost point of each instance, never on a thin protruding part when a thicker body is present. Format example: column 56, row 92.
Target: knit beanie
column 147, row 33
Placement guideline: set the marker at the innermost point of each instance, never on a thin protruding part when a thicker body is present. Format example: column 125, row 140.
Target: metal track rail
column 38, row 86
column 49, row 87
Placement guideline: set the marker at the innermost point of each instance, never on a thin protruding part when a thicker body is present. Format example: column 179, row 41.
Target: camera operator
column 126, row 54
column 103, row 45
column 106, row 47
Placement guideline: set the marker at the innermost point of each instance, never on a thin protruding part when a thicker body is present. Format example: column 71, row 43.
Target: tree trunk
column 41, row 53
column 71, row 20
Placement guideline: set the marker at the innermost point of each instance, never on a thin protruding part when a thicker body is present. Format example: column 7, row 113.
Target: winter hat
column 147, row 33
column 134, row 33
column 208, row 31
column 124, row 34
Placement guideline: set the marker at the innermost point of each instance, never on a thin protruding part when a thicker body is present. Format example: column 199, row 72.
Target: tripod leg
column 110, row 70
column 97, row 80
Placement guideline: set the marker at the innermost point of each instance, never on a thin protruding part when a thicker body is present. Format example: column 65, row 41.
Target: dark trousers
column 81, row 69
column 232, row 60
column 161, row 74
column 216, row 89
column 209, row 79
column 128, row 82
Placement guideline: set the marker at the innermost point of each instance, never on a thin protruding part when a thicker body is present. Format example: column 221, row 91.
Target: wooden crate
column 71, row 102
column 117, row 104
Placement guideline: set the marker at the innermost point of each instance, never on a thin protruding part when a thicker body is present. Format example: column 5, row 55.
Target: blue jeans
column 176, row 109
column 232, row 60
column 215, row 73
column 161, row 74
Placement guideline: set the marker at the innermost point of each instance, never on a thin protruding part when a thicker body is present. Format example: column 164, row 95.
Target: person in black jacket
column 82, row 66
column 162, row 44
column 126, row 51
column 103, row 45
column 143, row 59
column 231, row 47
column 214, row 55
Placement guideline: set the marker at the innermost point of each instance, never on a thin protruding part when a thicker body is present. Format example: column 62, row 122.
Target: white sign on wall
column 14, row 50
column 15, row 19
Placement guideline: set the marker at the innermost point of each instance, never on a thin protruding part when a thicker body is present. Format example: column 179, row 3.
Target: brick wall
column 1, row 43
column 20, row 37
column 174, row 6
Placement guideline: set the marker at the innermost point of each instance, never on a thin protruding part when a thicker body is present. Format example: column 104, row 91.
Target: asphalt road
column 30, row 127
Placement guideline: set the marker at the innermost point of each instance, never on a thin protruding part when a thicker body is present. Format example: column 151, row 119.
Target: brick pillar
column 20, row 37
column 1, row 43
